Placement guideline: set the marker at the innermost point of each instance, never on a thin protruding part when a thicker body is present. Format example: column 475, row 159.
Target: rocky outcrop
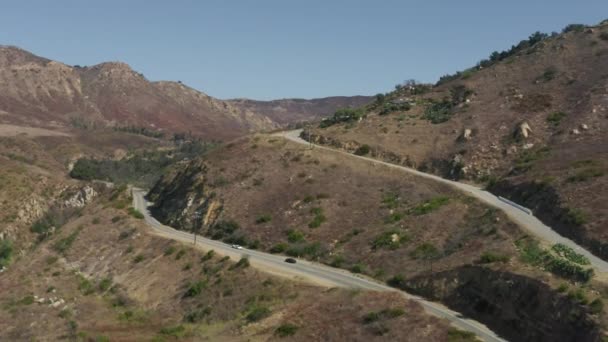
column 80, row 198
column 183, row 198
column 523, row 130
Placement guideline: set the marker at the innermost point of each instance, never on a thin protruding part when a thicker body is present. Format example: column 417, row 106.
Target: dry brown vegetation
column 114, row 280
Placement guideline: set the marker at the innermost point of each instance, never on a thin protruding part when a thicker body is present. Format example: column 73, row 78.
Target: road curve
column 308, row 271
column 528, row 222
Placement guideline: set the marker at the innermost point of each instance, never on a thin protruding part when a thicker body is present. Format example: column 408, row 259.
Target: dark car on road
column 290, row 260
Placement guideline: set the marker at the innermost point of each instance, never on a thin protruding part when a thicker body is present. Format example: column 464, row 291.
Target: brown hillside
column 557, row 87
column 266, row 193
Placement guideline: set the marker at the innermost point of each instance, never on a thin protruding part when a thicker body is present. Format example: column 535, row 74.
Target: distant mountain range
column 41, row 92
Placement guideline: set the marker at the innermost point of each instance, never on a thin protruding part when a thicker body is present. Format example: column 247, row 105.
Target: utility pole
column 196, row 224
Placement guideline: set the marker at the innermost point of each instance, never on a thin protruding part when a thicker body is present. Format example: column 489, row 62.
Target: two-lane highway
column 306, row 271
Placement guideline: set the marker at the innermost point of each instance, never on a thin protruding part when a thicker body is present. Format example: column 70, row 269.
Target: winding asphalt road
column 526, row 221
column 306, row 271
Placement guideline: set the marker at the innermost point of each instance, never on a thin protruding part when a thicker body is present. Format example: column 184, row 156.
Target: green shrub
column 490, row 257
column 597, row 306
column 242, row 263
column 195, row 288
column 555, row 118
column 279, row 248
column 169, row 250
column 563, row 287
column 257, row 313
column 585, row 174
column 387, row 240
column 135, row 213
column 318, row 218
column 138, row 258
column 343, row 115
column 85, row 286
column 105, row 284
column 533, row 254
column 457, row 335
column 6, row 252
column 362, row 150
column 294, row 236
column 197, row 315
column 371, row 317
column 62, row 245
column 425, row 250
column 438, row 111
column 391, row 200
column 575, row 216
column 312, row 250
column 174, row 331
column 263, row 219
column 604, row 35
column 568, row 253
column 357, row 268
column 397, row 281
column 222, row 229
column 390, row 107
column 180, row 254
column 548, row 75
column 286, row 329
column 429, row 206
column 208, row 256
column 573, row 28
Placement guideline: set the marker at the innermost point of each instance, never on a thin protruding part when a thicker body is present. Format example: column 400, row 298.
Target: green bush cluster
column 585, row 174
column 318, row 218
column 286, row 329
column 343, row 115
column 195, row 288
column 390, row 107
column 425, row 250
column 375, row 316
column 385, row 240
column 62, row 245
column 141, row 131
column 312, row 250
column 429, row 206
column 6, row 252
column 438, row 111
column 295, row 235
column 362, row 150
column 197, row 315
column 532, row 253
column 264, row 218
column 256, row 313
column 496, row 56
column 556, row 118
column 142, row 168
column 491, row 257
column 569, row 254
column 135, row 213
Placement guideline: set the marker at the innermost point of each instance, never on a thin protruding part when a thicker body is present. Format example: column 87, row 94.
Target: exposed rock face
column 523, row 130
column 81, row 198
column 31, row 210
column 183, row 199
column 466, row 135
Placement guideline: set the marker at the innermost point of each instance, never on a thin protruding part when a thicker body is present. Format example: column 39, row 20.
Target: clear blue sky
column 267, row 49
